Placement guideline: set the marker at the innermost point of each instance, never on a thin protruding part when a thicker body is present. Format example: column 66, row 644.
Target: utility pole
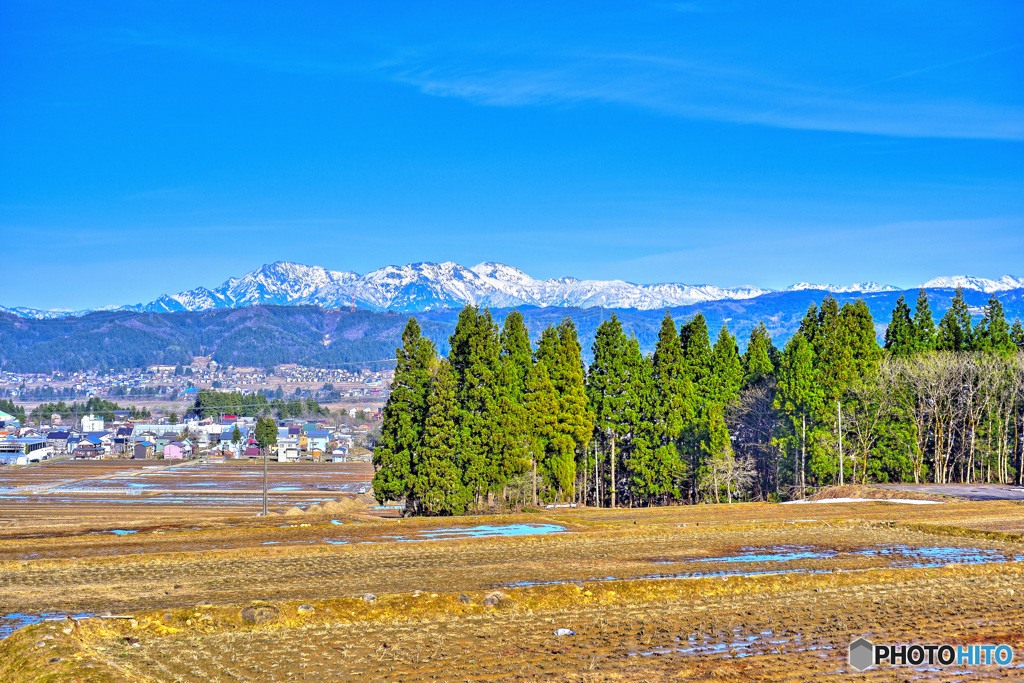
column 839, row 412
column 265, row 481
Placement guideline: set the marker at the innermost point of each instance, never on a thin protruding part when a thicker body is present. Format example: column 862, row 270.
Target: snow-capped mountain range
column 428, row 286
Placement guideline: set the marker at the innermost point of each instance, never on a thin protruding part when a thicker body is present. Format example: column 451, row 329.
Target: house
column 88, row 450
column 58, row 441
column 172, row 451
column 94, row 443
column 316, row 440
column 92, row 423
column 101, row 436
column 252, row 452
column 227, row 434
column 288, row 449
column 163, row 439
column 121, row 444
column 143, row 450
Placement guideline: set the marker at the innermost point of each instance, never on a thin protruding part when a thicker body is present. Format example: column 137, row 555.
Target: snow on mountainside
column 430, row 286
column 607, row 293
column 981, row 284
column 867, row 287
column 35, row 313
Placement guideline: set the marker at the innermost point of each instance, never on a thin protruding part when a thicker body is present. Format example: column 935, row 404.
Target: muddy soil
column 742, row 592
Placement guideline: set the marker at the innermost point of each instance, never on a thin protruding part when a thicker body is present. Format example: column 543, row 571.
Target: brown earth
column 815, row 578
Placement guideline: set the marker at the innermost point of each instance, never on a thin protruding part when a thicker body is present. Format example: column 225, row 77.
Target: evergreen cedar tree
column 498, row 422
column 266, row 432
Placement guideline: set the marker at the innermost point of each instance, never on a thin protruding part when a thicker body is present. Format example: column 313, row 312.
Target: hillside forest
column 503, row 421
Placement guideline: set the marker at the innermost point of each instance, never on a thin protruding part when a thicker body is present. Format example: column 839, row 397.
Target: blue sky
column 152, row 147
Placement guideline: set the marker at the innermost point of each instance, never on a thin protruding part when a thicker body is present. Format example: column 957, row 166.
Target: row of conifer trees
column 692, row 421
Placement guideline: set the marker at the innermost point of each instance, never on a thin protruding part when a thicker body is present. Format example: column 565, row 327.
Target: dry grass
column 785, row 627
column 419, row 629
column 862, row 491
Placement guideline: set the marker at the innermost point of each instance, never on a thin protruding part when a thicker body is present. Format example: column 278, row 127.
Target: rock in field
column 494, row 599
column 305, row 609
column 259, row 614
column 369, row 597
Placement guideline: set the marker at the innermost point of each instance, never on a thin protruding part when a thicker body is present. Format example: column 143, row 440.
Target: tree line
column 210, row 403
column 72, row 412
column 696, row 421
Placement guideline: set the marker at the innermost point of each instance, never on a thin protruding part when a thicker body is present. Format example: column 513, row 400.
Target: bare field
column 134, row 492
column 730, row 592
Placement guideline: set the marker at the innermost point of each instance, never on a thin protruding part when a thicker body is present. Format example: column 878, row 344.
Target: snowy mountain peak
column 980, row 284
column 426, row 286
column 499, row 271
column 866, row 287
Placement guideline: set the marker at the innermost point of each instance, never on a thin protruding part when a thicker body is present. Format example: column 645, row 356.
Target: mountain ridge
column 425, row 286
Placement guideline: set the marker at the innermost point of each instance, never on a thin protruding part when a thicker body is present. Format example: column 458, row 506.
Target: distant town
column 173, row 386
column 148, row 413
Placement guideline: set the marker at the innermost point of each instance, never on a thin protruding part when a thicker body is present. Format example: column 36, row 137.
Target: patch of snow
column 1005, row 283
column 907, row 501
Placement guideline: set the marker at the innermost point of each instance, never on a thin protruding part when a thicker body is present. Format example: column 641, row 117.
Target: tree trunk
column 839, row 430
column 535, row 482
column 613, row 470
column 803, row 459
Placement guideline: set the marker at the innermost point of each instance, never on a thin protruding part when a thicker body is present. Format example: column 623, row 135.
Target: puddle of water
column 123, row 532
column 336, row 522
column 9, row 623
column 739, row 648
column 327, row 540
column 778, row 554
column 483, row 531
column 910, row 556
column 898, row 556
column 488, row 530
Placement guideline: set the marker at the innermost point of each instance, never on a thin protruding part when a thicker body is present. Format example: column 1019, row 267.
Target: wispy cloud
column 702, row 90
column 661, row 82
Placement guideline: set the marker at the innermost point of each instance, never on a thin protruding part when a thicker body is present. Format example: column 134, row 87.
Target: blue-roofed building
column 316, row 440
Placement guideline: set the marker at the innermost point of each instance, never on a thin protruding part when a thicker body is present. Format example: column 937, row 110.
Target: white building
column 92, row 423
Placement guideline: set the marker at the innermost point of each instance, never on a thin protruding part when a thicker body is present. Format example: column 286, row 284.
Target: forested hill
column 267, row 335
